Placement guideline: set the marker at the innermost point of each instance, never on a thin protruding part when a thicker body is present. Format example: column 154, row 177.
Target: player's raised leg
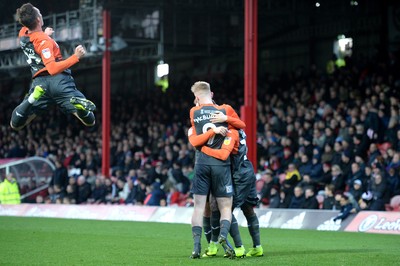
column 22, row 115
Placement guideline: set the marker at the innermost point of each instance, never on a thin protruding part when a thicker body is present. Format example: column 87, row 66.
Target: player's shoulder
column 226, row 106
column 23, row 32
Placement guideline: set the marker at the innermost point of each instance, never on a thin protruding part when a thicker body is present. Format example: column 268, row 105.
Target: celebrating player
column 52, row 81
column 211, row 174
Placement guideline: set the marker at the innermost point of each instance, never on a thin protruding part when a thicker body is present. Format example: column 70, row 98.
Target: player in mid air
column 52, row 82
column 211, row 174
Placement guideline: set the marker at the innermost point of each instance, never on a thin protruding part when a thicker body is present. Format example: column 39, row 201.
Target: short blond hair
column 200, row 87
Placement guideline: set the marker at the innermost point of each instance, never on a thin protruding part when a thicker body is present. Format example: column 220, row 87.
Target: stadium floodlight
column 162, row 69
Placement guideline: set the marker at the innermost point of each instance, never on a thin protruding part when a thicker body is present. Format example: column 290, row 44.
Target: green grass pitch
column 45, row 241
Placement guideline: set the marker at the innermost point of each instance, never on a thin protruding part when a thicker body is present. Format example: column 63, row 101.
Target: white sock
column 31, row 99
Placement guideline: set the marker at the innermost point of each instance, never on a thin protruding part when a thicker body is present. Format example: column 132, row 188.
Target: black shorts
column 214, row 178
column 244, row 187
column 59, row 90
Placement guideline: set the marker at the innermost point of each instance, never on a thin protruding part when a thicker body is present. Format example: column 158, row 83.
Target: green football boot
column 211, row 251
column 83, row 104
column 240, row 252
column 255, row 252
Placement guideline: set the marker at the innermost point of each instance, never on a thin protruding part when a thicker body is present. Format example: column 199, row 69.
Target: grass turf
column 45, row 241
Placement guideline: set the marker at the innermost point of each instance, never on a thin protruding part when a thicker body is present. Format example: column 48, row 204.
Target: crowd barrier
column 366, row 221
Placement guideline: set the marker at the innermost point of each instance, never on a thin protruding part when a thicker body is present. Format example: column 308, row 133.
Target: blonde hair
column 200, row 87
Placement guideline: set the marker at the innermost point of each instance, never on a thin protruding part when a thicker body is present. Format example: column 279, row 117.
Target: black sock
column 215, row 216
column 254, row 229
column 225, row 227
column 21, row 114
column 207, row 228
column 234, row 231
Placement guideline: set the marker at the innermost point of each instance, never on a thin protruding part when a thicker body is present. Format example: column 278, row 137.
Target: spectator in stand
column 329, row 202
column 327, row 154
column 364, row 204
column 326, row 177
column 379, row 192
column 345, row 208
column 356, row 174
column 310, row 201
column 269, row 182
column 356, row 190
column 154, row 195
column 316, row 173
column 298, row 199
column 345, row 165
column 60, row 176
column 99, row 192
column 285, row 196
column 274, row 199
column 305, row 166
column 124, row 189
column 84, row 190
column 72, row 190
column 337, row 152
column 393, row 181
column 292, row 177
column 338, row 179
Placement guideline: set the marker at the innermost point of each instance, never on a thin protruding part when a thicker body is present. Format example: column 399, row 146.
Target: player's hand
column 218, row 117
column 80, row 51
column 220, row 130
column 49, row 31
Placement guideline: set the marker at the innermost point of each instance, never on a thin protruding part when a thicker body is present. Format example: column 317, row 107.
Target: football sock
column 235, row 234
column 215, row 216
column 196, row 232
column 207, row 228
column 225, row 227
column 254, row 229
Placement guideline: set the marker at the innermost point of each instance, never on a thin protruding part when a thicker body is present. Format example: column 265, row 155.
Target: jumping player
column 51, row 77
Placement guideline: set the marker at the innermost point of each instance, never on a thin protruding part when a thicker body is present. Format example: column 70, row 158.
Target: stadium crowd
column 321, row 136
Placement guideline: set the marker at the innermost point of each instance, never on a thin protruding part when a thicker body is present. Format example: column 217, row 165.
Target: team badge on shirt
column 227, row 140
column 46, row 53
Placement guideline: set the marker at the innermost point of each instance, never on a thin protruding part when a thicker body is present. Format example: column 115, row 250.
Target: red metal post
column 249, row 110
column 106, row 83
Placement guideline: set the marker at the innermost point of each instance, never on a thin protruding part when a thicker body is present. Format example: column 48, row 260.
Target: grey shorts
column 59, row 90
column 214, row 178
column 244, row 187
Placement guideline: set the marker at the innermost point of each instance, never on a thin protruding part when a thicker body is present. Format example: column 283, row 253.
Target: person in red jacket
column 52, row 82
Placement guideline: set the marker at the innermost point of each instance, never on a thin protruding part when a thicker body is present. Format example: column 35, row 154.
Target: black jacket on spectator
column 60, row 177
column 84, row 192
column 310, row 203
column 329, row 203
column 297, row 202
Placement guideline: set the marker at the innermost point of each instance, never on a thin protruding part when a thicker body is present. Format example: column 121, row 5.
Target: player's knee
column 247, row 209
